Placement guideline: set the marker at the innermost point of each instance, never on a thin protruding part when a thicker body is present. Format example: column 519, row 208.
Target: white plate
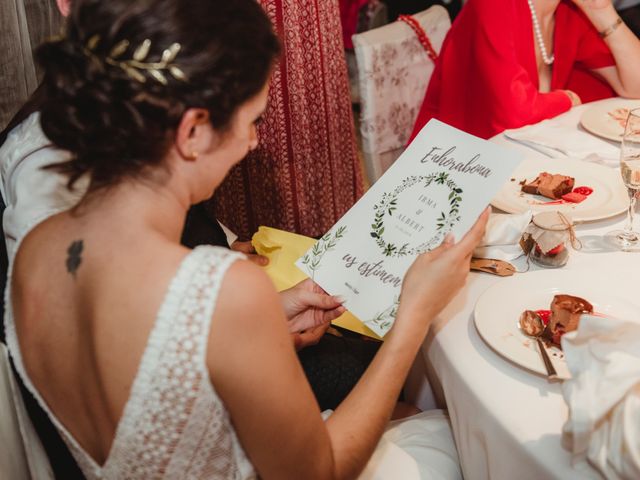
column 598, row 121
column 609, row 195
column 498, row 310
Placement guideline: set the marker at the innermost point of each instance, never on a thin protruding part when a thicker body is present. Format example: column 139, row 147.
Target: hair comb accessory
column 137, row 66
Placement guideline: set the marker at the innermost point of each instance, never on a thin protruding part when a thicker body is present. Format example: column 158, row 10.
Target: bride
column 155, row 361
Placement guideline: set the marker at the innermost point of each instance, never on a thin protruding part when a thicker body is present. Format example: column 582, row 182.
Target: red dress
column 349, row 13
column 305, row 173
column 486, row 77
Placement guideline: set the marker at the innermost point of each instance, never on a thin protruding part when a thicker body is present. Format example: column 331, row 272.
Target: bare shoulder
column 247, row 299
column 255, row 371
column 248, row 328
column 96, row 265
column 34, row 249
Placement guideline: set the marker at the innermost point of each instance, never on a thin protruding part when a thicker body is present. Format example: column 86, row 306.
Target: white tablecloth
column 507, row 422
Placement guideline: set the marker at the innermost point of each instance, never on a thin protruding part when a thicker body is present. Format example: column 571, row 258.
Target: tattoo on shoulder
column 74, row 256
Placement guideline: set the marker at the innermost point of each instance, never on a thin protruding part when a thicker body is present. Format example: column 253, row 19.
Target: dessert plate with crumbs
column 607, row 199
column 498, row 310
column 608, row 120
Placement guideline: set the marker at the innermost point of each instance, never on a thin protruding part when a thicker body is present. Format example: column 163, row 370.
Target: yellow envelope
column 283, row 249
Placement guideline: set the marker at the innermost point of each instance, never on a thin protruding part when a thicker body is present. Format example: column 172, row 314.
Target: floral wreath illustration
column 327, row 243
column 388, row 204
column 384, row 319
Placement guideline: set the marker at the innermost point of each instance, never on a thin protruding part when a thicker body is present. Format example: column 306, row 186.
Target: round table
column 507, row 421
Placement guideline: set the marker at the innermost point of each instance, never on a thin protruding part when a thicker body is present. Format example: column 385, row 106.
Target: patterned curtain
column 306, row 173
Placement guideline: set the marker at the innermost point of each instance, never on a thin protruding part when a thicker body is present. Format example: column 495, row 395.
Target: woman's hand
column 309, row 337
column 601, row 13
column 249, row 250
column 592, row 4
column 436, row 277
column 574, row 97
column 624, row 76
column 307, row 306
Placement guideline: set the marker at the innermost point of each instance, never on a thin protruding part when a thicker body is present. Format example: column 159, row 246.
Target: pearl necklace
column 548, row 60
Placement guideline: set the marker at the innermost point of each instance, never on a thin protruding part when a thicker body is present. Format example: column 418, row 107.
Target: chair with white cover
column 21, row 455
column 394, row 71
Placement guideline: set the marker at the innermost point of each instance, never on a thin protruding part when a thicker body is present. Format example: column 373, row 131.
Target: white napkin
column 556, row 140
column 501, row 240
column 603, row 395
column 231, row 237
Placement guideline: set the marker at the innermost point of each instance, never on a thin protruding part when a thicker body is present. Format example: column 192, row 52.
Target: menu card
column 440, row 184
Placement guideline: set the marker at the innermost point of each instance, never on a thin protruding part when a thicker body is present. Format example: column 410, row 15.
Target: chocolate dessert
column 532, row 187
column 549, row 185
column 565, row 316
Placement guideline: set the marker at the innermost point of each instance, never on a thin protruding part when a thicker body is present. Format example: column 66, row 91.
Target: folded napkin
column 603, row 395
column 556, row 140
column 283, row 249
column 501, row 240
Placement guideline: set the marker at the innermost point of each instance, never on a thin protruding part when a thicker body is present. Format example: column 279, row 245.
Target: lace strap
column 201, row 296
column 178, row 340
column 173, row 358
column 173, row 368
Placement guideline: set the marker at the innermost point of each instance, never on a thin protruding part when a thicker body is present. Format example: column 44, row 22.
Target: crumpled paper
column 603, row 395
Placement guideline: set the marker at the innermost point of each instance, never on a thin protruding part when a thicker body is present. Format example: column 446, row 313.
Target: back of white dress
column 174, row 425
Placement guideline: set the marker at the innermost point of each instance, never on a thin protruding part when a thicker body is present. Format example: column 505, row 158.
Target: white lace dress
column 174, row 425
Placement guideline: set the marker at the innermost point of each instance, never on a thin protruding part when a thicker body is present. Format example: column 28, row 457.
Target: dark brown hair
column 116, row 126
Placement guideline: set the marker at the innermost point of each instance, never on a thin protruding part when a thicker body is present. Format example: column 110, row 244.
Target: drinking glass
column 630, row 170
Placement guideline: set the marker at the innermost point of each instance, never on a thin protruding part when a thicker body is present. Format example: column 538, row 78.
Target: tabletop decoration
column 547, row 238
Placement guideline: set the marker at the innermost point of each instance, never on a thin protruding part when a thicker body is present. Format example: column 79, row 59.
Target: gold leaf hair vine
column 136, row 67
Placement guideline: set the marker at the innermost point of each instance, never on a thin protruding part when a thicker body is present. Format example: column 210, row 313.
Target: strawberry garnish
column 583, row 190
column 574, row 197
column 544, row 315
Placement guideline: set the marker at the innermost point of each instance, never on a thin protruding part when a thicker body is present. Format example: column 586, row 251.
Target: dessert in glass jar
column 550, row 234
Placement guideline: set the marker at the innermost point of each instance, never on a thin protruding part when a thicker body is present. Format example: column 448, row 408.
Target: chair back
column 394, row 71
column 21, row 456
column 24, row 24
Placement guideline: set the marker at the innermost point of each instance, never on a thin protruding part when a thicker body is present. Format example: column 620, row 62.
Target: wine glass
column 630, row 170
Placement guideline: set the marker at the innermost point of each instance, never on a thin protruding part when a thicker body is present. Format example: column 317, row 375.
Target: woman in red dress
column 509, row 63
column 306, row 173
